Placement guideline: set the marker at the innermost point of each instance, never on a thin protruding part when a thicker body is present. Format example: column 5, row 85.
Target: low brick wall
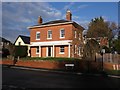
column 50, row 64
column 41, row 64
column 7, row 62
column 111, row 66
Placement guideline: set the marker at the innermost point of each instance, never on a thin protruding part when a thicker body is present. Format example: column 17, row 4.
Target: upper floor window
column 62, row 33
column 49, row 34
column 79, row 36
column 75, row 34
column 37, row 35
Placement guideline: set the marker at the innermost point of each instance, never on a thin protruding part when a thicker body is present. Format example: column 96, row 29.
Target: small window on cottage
column 37, row 35
column 37, row 50
column 62, row 49
column 49, row 34
column 62, row 33
column 19, row 43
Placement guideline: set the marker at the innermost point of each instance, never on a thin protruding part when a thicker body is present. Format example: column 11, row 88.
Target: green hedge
column 49, row 58
column 113, row 72
column 21, row 51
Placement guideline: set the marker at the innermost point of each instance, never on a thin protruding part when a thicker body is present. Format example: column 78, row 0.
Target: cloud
column 17, row 16
column 82, row 6
column 68, row 6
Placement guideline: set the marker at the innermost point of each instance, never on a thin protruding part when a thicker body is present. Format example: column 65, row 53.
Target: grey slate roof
column 25, row 39
column 60, row 21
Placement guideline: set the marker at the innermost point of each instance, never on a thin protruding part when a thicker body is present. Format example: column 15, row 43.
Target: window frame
column 19, row 43
column 36, row 35
column 61, row 33
column 63, row 52
column 75, row 34
column 48, row 34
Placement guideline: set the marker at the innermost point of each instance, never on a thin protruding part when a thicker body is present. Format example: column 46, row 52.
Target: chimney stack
column 68, row 15
column 39, row 20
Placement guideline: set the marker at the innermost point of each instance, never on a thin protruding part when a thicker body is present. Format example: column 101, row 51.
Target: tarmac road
column 14, row 78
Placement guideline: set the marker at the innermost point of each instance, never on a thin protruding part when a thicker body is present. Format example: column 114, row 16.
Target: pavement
column 57, row 71
column 28, row 78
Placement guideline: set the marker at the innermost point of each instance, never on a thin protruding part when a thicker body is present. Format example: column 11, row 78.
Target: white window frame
column 79, row 36
column 61, row 33
column 19, row 43
column 75, row 34
column 36, row 35
column 48, row 34
column 60, row 50
column 75, row 49
column 38, row 50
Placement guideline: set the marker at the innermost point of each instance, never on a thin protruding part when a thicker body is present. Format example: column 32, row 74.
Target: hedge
column 21, row 51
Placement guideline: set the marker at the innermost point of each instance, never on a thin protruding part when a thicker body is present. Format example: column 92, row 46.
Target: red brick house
column 59, row 38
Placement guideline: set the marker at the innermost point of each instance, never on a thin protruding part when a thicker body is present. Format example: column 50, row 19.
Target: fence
column 112, row 58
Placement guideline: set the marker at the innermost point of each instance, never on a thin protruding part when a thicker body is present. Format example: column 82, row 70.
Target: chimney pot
column 39, row 20
column 68, row 15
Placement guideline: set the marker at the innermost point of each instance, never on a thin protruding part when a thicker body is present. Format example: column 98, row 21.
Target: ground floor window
column 62, row 49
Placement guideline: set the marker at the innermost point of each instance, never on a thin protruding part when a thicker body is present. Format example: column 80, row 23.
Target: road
column 19, row 78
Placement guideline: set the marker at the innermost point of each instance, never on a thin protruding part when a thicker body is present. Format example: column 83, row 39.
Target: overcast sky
column 17, row 16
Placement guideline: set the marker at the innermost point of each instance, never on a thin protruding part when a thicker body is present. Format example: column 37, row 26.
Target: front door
column 49, row 51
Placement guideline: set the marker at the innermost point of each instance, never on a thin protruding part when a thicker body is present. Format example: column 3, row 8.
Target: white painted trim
column 49, row 25
column 51, row 43
column 69, row 50
column 53, row 50
column 39, row 51
column 61, row 53
column 46, row 51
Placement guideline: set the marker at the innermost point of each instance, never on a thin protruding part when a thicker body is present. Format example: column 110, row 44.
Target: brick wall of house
column 55, row 33
column 57, row 50
column 44, row 50
column 33, row 52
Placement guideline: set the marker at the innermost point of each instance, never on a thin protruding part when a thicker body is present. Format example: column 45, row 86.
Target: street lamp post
column 102, row 53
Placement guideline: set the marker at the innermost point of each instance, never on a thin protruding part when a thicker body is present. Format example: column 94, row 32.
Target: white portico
column 50, row 47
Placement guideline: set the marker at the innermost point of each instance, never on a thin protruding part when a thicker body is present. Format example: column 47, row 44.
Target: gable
column 19, row 39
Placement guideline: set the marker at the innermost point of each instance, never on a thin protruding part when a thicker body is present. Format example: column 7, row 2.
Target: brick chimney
column 39, row 20
column 68, row 15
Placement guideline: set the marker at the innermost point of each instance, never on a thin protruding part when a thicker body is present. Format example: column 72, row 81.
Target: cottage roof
column 4, row 40
column 26, row 39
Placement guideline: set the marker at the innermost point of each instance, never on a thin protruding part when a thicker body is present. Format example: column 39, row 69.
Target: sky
column 17, row 16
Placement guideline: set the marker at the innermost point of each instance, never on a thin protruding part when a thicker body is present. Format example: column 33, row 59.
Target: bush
column 5, row 52
column 21, row 51
column 49, row 58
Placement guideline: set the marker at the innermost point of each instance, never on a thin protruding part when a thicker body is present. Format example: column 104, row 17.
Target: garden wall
column 52, row 64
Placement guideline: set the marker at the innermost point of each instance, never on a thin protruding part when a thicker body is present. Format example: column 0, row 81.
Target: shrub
column 21, row 51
